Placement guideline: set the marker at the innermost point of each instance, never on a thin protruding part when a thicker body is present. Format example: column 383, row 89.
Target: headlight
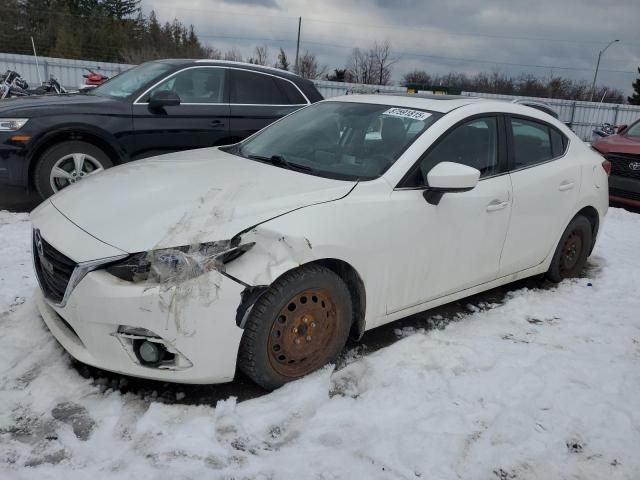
column 12, row 124
column 174, row 265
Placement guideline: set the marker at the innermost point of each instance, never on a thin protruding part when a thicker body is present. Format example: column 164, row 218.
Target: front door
column 201, row 119
column 456, row 244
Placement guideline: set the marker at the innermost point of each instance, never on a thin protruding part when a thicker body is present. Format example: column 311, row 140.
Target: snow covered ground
column 545, row 385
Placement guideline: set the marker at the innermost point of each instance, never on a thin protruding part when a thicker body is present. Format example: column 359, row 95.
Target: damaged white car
column 348, row 214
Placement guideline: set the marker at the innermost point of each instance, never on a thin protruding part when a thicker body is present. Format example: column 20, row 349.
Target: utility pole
column 593, row 85
column 297, row 68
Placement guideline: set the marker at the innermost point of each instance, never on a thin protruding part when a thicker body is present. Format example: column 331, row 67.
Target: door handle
column 216, row 123
column 566, row 185
column 497, row 205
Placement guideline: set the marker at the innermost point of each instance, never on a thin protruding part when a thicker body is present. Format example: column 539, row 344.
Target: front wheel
column 572, row 250
column 300, row 324
column 67, row 163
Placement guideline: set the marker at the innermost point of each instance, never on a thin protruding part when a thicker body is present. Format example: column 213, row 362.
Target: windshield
column 340, row 139
column 633, row 131
column 129, row 82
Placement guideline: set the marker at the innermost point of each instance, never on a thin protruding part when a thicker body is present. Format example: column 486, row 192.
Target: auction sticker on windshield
column 407, row 113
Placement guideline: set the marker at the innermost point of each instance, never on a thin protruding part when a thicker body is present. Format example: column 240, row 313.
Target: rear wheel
column 572, row 251
column 300, row 324
column 67, row 163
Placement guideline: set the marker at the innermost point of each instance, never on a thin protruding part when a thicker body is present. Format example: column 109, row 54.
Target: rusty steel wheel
column 298, row 325
column 572, row 251
column 301, row 333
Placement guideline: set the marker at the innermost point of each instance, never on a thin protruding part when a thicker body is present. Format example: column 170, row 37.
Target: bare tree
column 372, row 66
column 233, row 55
column 417, row 77
column 384, row 60
column 360, row 67
column 309, row 67
column 261, row 55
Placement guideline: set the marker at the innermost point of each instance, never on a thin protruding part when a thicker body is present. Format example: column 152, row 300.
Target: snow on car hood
column 188, row 197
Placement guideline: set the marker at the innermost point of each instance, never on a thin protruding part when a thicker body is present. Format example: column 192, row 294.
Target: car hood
column 618, row 144
column 187, row 198
column 38, row 105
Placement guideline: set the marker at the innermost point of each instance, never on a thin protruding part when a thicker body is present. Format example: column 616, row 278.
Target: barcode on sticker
column 407, row 113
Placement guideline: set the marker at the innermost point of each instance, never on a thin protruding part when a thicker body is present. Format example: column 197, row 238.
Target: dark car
column 154, row 108
column 623, row 151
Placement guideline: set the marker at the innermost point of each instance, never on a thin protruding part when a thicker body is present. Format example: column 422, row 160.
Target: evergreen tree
column 283, row 62
column 635, row 98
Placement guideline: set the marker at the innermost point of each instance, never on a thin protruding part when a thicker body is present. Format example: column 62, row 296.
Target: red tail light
column 607, row 166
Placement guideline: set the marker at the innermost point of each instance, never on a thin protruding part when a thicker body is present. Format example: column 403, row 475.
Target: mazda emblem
column 634, row 166
column 38, row 242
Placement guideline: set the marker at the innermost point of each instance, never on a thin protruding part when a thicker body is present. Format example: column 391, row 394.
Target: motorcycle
column 92, row 79
column 50, row 87
column 604, row 130
column 13, row 85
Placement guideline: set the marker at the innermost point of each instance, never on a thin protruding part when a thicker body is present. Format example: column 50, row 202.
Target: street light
column 593, row 86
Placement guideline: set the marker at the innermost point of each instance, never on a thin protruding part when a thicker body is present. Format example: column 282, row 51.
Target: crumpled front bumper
column 196, row 319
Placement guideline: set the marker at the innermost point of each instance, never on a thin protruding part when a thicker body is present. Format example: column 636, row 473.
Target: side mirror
column 621, row 129
column 449, row 177
column 164, row 98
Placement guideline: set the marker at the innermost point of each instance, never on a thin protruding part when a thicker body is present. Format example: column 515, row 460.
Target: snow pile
column 544, row 386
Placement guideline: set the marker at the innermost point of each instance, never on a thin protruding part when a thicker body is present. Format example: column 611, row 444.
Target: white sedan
column 343, row 216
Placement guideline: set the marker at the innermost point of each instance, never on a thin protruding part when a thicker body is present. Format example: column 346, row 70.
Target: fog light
column 149, row 353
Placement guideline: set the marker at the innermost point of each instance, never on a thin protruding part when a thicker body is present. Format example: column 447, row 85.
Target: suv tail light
column 607, row 167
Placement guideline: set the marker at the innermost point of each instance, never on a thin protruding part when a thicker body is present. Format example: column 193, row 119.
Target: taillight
column 606, row 164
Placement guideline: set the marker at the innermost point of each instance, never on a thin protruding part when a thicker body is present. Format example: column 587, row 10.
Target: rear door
column 258, row 99
column 201, row 119
column 546, row 184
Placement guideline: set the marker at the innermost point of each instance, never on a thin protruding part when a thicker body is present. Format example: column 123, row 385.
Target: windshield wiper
column 280, row 161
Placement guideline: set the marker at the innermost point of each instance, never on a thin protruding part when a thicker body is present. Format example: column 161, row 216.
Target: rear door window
column 256, row 89
column 532, row 143
column 294, row 97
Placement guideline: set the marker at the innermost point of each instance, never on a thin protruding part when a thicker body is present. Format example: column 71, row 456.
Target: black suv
column 50, row 142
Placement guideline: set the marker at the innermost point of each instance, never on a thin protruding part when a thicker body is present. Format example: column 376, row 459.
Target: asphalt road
column 18, row 199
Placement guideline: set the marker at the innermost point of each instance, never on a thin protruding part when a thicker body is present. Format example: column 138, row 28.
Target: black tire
column 280, row 344
column 572, row 250
column 42, row 174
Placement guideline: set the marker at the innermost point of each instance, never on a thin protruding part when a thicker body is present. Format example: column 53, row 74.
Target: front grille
column 52, row 268
column 620, row 165
column 616, row 192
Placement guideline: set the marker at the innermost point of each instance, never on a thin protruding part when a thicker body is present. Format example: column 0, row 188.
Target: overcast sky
column 544, row 37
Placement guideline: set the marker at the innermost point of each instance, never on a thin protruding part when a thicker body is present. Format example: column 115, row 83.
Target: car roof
column 435, row 103
column 185, row 62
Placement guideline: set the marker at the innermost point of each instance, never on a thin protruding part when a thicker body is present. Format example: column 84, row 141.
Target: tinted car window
column 474, row 143
column 531, row 143
column 197, row 85
column 256, row 88
column 557, row 142
column 294, row 97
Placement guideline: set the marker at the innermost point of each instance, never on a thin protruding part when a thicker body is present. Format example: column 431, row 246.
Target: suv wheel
column 67, row 163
